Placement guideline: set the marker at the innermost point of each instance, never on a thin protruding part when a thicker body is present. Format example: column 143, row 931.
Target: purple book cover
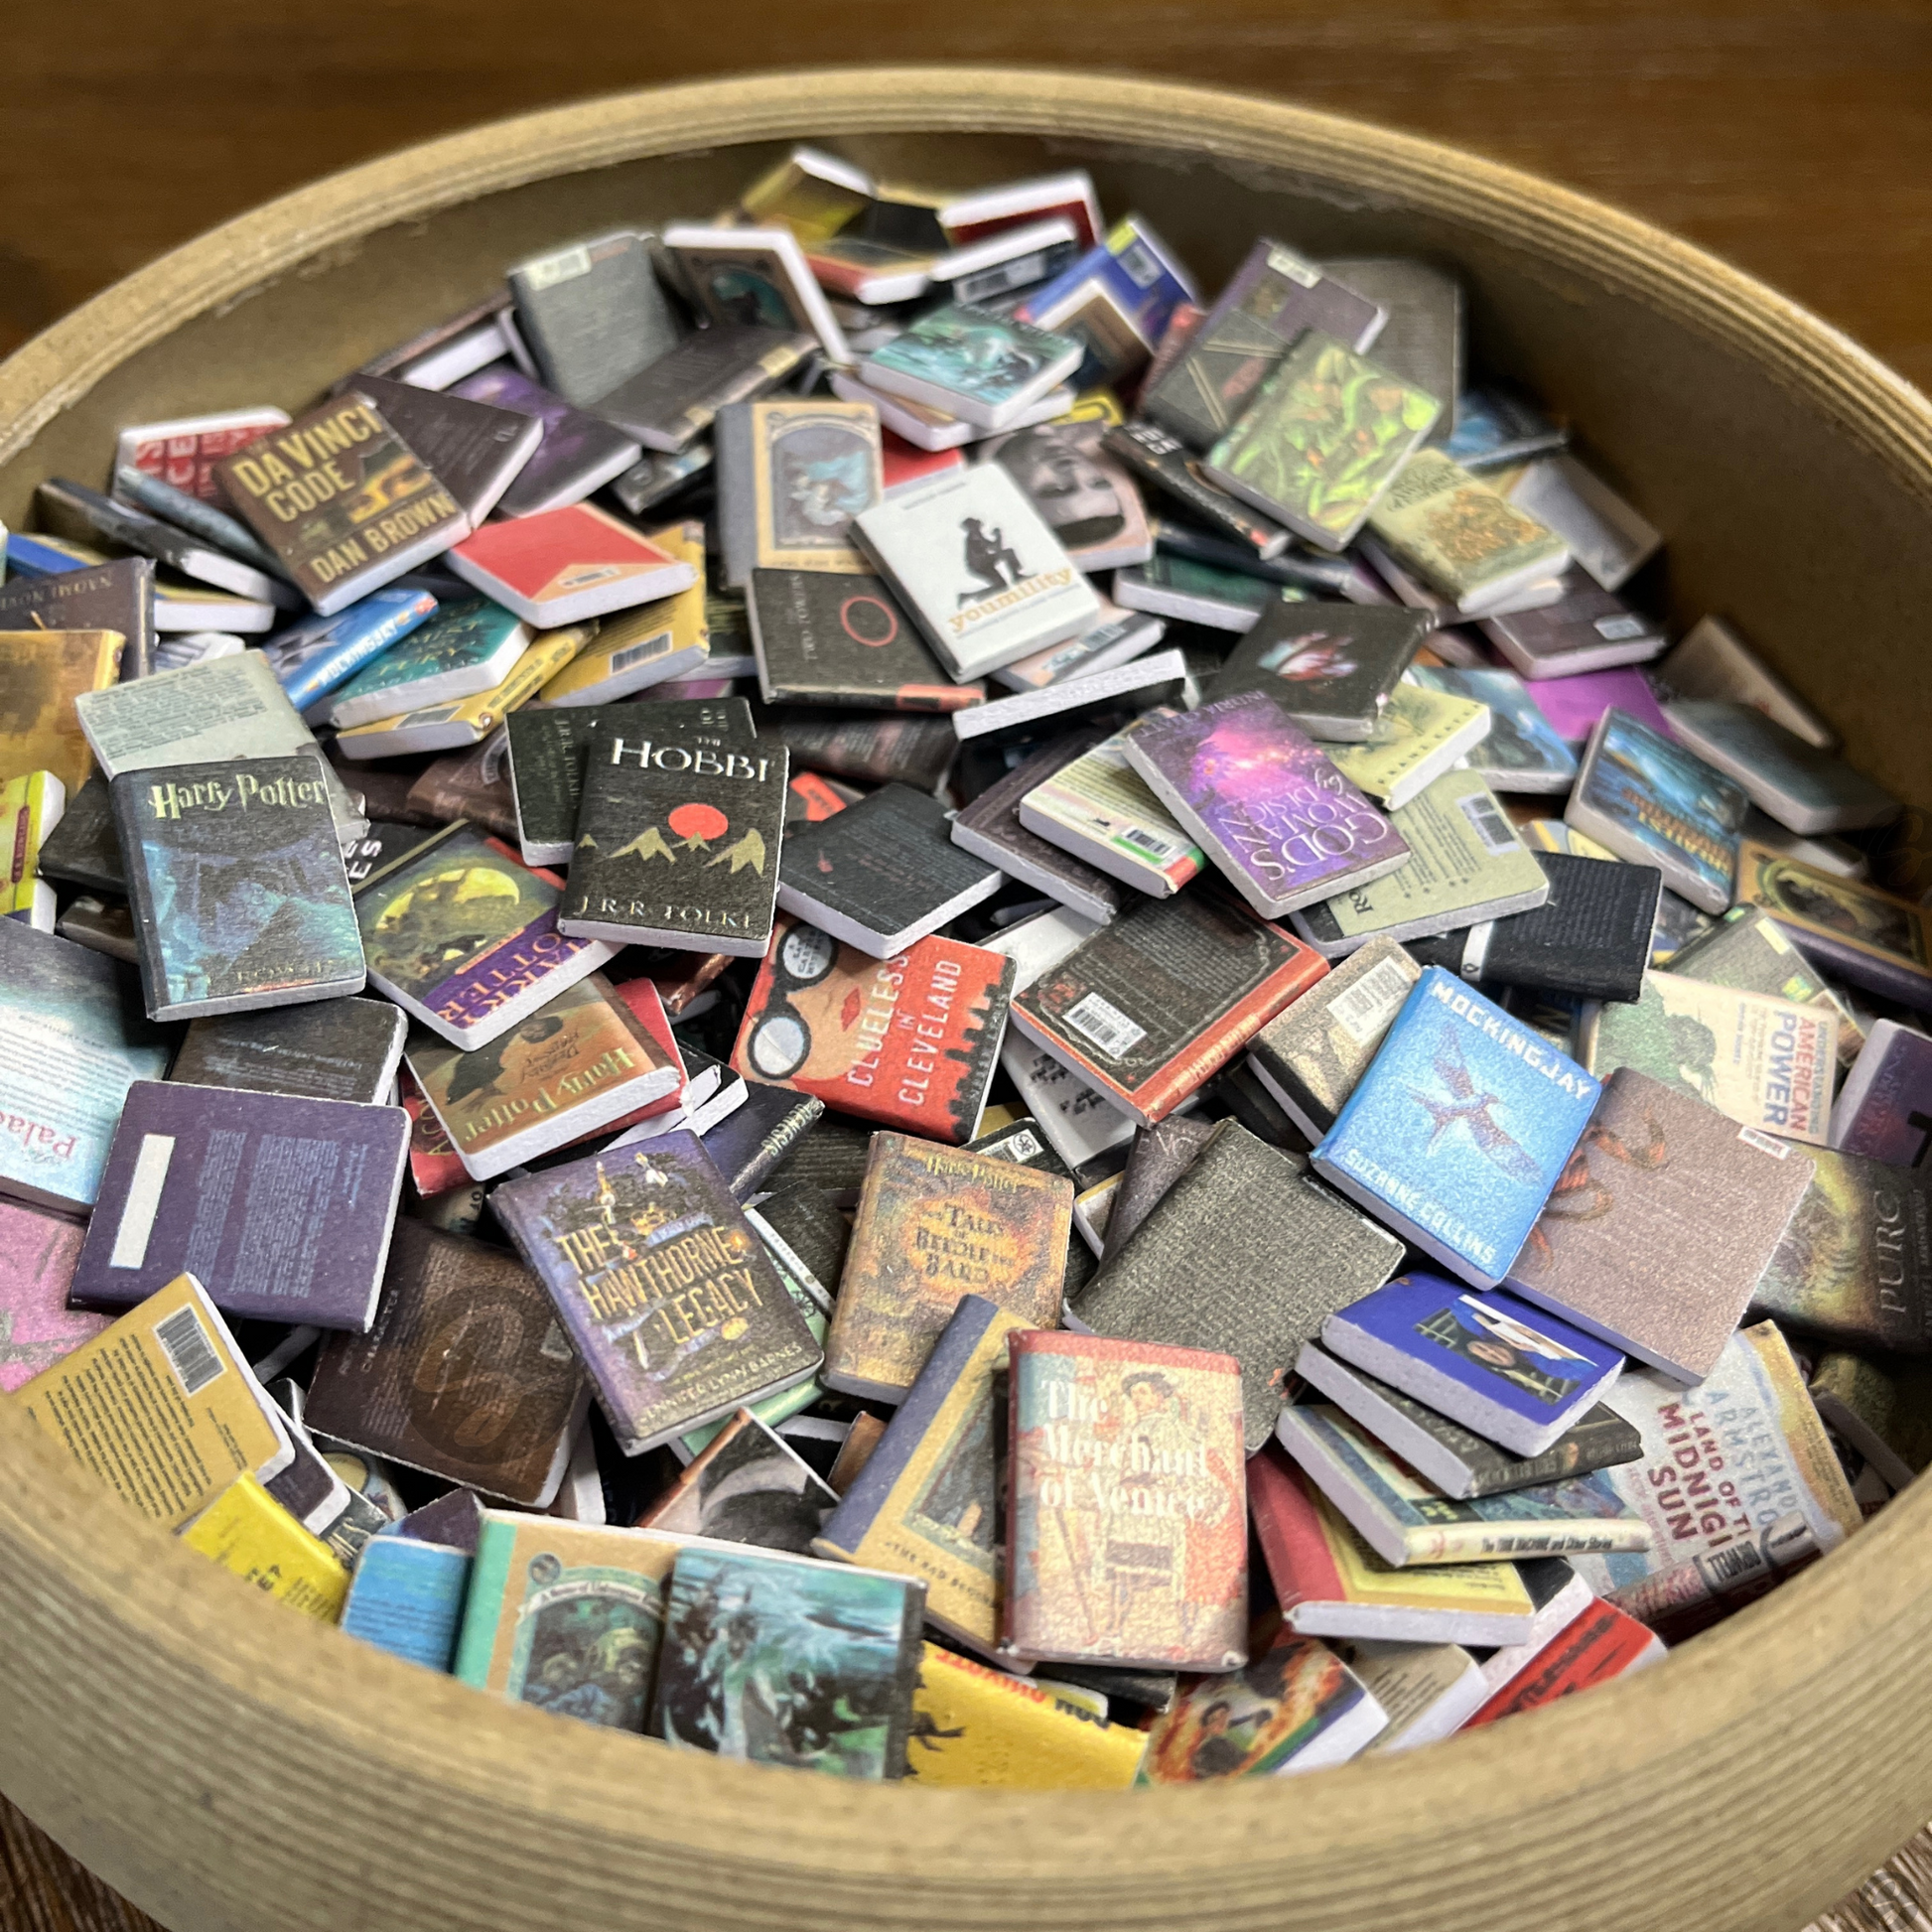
column 1885, row 1111
column 280, row 1207
column 1265, row 801
column 1572, row 705
column 37, row 1256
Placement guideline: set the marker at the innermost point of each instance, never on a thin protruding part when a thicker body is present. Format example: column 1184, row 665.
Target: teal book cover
column 464, row 649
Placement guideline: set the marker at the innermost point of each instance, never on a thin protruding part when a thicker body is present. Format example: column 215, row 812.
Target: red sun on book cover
column 910, row 1041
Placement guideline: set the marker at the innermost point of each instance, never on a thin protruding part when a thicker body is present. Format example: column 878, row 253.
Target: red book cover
column 559, row 553
column 644, row 1002
column 910, row 1041
column 812, row 798
column 1602, row 1643
column 435, row 1166
column 904, row 464
column 1300, row 1558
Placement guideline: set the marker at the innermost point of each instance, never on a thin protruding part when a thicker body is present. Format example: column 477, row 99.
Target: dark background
column 1792, row 136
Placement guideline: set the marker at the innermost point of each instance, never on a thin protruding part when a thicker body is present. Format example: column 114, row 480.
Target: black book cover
column 1245, row 1255
column 885, row 869
column 114, row 596
column 1160, row 1155
column 1589, row 937
column 1238, row 1088
column 990, row 828
column 678, row 836
column 807, row 1220
column 71, row 509
column 1022, row 1143
column 758, row 1134
column 1167, row 466
column 665, row 404
column 827, row 637
column 475, row 450
column 875, row 751
column 84, row 849
column 326, row 1050
column 1330, row 666
column 383, row 847
column 831, row 1159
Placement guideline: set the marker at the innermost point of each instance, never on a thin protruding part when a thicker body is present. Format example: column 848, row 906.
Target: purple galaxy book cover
column 37, row 1256
column 1281, row 821
column 280, row 1207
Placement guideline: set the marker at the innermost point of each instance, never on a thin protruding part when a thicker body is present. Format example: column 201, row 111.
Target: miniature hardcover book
column 1332, row 667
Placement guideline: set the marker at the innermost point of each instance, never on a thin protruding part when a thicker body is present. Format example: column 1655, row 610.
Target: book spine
column 734, row 455
column 1301, row 1565
column 1600, row 1440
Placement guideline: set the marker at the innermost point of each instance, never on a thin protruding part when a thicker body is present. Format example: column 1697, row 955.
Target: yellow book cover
column 42, row 672
column 815, row 465
column 248, row 1533
column 31, row 805
column 632, row 643
column 1365, row 1578
column 973, row 1724
column 1460, row 536
column 161, row 1407
column 1422, row 733
column 477, row 715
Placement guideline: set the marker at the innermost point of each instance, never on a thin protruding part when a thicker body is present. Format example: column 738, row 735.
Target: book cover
column 1155, row 1004
column 1510, row 1372
column 1608, row 538
column 251, row 1536
column 1126, row 1536
column 1869, row 938
column 976, row 1726
column 754, row 276
column 972, row 364
column 1747, row 949
column 1078, row 1119
column 759, row 1134
column 42, row 672
column 781, row 1660
column 1656, row 804
column 343, row 500
column 1329, row 1584
column 576, row 451
column 1592, row 939
column 927, row 1501
column 1098, row 808
column 678, row 396
column 1523, row 751
column 1460, row 1127
column 791, row 477
column 580, row 1061
column 1115, row 300
column 73, row 1038
column 1882, row 1110
column 1086, row 494
column 117, row 595
column 463, row 936
column 1215, row 596
column 691, row 792
column 1272, row 812
column 464, row 649
column 746, row 1485
column 160, row 1406
column 38, row 1253
column 1246, row 1256
column 1767, row 1063
column 1422, row 339
column 1600, row 1644
column 1712, row 661
column 316, row 654
column 666, row 1293
column 1294, row 1706
column 1159, row 1156
column 1120, row 636
column 1574, row 705
column 1312, row 1054
column 593, row 313
column 1724, row 1458
column 823, row 638
column 183, row 452
column 650, row 644
column 565, row 1616
column 875, row 751
column 239, row 895
column 935, row 1223
column 1497, row 429
column 659, row 477
column 466, row 1373
column 185, row 540
column 1466, row 864
column 280, row 1207
column 475, row 450
column 1465, row 541
column 1588, row 629
column 979, row 567
column 1406, row 1521
column 1326, row 435
column 406, row 1597
column 557, row 567
column 31, row 806
column 1854, row 1262
column 1271, row 299
column 1164, row 465
column 1422, row 733
column 458, row 724
column 1332, row 667
column 910, row 1041
column 1426, row 1689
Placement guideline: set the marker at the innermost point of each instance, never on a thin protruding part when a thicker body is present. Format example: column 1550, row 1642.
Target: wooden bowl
column 227, row 1764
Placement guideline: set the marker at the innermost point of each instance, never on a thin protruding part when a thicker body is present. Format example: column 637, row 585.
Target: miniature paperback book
column 791, row 477
column 746, row 1484
column 557, row 567
column 1332, row 667
column 1881, row 1110
column 822, row 639
column 38, row 1252
column 1098, row 808
column 1422, row 733
column 577, row 452
column 1523, row 751
column 406, row 1597
column 476, row 450
column 316, row 654
column 44, row 729
column 467, row 649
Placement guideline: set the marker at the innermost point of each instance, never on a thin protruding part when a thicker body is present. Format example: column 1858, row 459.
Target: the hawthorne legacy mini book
column 666, row 1293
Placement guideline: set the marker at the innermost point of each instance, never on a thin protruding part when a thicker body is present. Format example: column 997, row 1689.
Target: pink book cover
column 1572, row 705
column 38, row 1253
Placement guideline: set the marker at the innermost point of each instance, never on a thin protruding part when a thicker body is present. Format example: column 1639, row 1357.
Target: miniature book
column 746, row 1485
column 593, row 313
column 1164, row 465
column 1459, row 1129
column 1243, row 1256
column 117, row 595
column 1747, row 949
column 1312, row 1054
column 1329, row 1584
column 1608, row 538
column 1497, row 429
column 199, row 1419
column 1331, row 667
column 49, row 670
column 464, row 1373
column 677, row 397
column 1523, row 751
column 1802, row 787
column 1423, row 339
column 38, row 1253
column 31, row 806
column 1426, row 1689
column 1466, row 542
column 464, row 937
column 1084, row 494
column 465, row 650
column 558, row 567
column 1098, row 808
column 927, row 1502
column 577, row 452
column 754, row 275
column 821, row 638
column 1152, row 1004
column 875, row 751
column 1587, row 630
column 684, row 790
column 791, row 477
column 1147, row 681
column 1114, row 301
column 1508, row 1372
column 911, row 1042
column 933, row 1223
column 474, row 449
column 315, row 654
column 1160, row 1155
column 565, row 1616
column 883, row 872
column 1600, row 1644
column 1885, row 1109
column 1714, row 661
column 666, row 1292
column 1206, row 594
column 186, row 541
column 844, row 1643
column 1126, row 1518
column 1422, row 733
column 183, row 452
column 334, row 1050
column 406, row 1597
column 1119, row 636
column 972, row 364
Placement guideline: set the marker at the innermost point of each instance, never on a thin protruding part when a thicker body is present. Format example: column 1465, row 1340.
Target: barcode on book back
column 621, row 660
column 1366, row 1008
column 190, row 1352
column 1486, row 820
column 1103, row 1023
column 1139, row 839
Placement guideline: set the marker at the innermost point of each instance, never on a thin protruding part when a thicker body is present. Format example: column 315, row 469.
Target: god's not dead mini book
column 663, row 1287
column 1126, row 1534
column 935, row 1223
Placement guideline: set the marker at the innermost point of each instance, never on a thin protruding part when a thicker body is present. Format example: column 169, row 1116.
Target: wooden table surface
column 1793, row 136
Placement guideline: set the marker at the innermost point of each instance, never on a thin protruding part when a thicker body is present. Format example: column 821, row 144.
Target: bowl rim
column 107, row 1624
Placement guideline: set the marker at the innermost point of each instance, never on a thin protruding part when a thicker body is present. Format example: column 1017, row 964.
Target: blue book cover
column 407, row 1599
column 1135, row 272
column 1486, row 1360
column 313, row 656
column 1524, row 751
column 1458, row 1132
column 464, row 649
